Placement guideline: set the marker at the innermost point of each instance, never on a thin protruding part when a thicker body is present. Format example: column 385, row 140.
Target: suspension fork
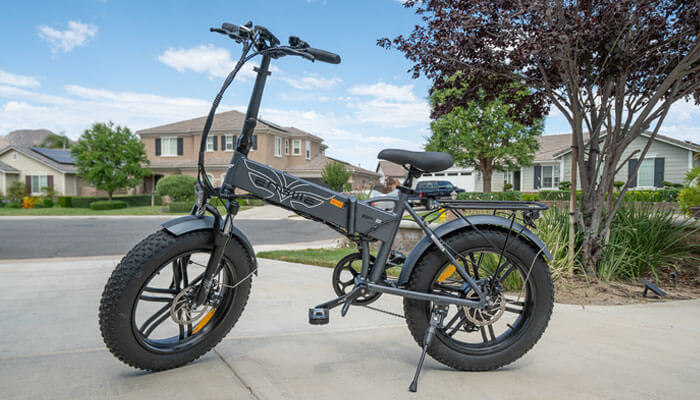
column 220, row 237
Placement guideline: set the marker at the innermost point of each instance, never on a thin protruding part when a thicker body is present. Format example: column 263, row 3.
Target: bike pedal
column 318, row 316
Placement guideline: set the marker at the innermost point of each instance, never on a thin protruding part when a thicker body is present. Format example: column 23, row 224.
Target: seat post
column 412, row 173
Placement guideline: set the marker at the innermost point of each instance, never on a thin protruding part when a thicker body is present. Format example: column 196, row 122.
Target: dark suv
column 428, row 191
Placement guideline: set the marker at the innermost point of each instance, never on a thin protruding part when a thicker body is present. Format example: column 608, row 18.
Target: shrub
column 553, row 229
column 180, row 206
column 689, row 197
column 131, row 201
column 565, row 185
column 507, row 187
column 14, row 204
column 177, row 187
column 618, row 185
column 668, row 194
column 29, row 202
column 2, row 202
column 64, row 201
column 347, row 186
column 107, row 205
column 17, row 191
column 530, row 197
column 555, row 194
column 642, row 239
column 510, row 195
column 47, row 202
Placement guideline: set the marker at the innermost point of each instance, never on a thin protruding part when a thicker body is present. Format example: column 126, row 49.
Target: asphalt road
column 62, row 237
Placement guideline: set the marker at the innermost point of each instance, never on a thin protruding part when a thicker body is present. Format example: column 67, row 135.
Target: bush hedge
column 131, row 201
column 180, row 206
column 177, row 187
column 108, row 205
column 64, row 201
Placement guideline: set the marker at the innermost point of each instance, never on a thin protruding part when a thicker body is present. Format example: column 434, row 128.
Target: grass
column 320, row 257
column 60, row 211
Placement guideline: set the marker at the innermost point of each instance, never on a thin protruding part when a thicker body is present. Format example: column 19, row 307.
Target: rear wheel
column 146, row 317
column 518, row 285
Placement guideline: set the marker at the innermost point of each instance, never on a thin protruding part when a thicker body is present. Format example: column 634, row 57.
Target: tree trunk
column 109, row 196
column 487, row 173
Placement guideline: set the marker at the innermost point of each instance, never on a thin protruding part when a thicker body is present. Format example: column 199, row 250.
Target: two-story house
column 173, row 149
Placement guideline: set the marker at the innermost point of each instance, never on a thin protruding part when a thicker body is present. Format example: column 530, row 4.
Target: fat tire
column 119, row 297
column 428, row 266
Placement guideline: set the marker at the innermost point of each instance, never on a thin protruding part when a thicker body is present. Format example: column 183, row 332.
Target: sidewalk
column 51, row 347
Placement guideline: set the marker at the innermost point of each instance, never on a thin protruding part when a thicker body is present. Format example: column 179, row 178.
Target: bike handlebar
column 322, row 55
column 297, row 46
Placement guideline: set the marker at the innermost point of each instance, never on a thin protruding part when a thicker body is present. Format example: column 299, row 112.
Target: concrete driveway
column 50, row 347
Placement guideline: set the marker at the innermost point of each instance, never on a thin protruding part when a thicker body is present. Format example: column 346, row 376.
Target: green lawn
column 60, row 211
column 321, row 257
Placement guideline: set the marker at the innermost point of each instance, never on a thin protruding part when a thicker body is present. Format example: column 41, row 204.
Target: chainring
column 342, row 287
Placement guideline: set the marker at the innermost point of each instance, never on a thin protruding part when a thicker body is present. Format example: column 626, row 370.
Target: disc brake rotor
column 182, row 310
column 489, row 314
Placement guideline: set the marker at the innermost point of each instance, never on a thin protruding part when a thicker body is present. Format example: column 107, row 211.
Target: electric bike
column 477, row 292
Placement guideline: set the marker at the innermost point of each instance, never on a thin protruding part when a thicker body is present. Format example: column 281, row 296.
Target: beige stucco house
column 38, row 167
column 173, row 149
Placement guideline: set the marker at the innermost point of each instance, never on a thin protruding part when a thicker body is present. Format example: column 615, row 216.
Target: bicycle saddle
column 426, row 161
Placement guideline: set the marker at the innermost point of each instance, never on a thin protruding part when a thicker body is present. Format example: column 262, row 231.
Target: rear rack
column 491, row 205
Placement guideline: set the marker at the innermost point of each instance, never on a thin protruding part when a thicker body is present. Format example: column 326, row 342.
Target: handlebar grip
column 229, row 27
column 322, row 55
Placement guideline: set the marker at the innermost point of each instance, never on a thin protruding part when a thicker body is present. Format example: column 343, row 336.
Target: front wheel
column 146, row 317
column 518, row 285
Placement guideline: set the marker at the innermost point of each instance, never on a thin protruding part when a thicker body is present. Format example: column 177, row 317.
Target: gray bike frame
column 355, row 219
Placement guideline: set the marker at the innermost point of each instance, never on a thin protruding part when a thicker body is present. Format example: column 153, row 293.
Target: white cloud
column 390, row 106
column 76, row 35
column 18, row 80
column 386, row 91
column 310, row 82
column 81, row 106
column 207, row 58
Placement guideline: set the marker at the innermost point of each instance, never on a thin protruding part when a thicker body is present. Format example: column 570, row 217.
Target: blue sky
column 66, row 65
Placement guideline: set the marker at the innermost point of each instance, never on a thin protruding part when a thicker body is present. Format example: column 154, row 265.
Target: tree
column 110, row 157
column 177, row 187
column 335, row 175
column 613, row 68
column 483, row 133
column 53, row 141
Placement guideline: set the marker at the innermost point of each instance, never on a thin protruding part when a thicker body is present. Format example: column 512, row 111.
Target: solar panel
column 58, row 155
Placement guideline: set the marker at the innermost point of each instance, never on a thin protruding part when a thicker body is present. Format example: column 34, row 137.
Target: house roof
column 8, row 169
column 223, row 121
column 661, row 138
column 391, row 169
column 550, row 145
column 32, row 152
column 320, row 161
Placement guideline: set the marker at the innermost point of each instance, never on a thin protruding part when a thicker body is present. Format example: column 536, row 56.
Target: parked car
column 428, row 191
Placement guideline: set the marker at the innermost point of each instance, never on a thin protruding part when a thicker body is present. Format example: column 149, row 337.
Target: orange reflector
column 447, row 273
column 204, row 321
column 337, row 203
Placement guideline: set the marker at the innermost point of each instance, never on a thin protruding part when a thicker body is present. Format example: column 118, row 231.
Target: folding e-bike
column 477, row 289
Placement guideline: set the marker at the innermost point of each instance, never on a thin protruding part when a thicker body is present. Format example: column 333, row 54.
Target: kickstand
column 436, row 317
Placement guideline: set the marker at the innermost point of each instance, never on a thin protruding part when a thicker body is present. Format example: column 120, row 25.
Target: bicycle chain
column 385, row 312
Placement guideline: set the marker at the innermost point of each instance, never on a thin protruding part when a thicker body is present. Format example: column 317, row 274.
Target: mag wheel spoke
column 156, row 319
column 156, row 299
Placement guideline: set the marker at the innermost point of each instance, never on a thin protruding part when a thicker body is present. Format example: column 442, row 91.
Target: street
column 40, row 237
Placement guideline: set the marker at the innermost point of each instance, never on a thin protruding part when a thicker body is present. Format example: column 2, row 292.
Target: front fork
column 221, row 235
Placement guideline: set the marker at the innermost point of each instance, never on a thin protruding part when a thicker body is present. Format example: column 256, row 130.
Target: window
column 38, row 182
column 452, row 174
column 168, row 146
column 228, row 142
column 14, row 156
column 296, row 147
column 465, row 173
column 645, row 175
column 278, row 146
column 210, row 143
column 308, row 149
column 286, row 147
column 507, row 178
column 550, row 176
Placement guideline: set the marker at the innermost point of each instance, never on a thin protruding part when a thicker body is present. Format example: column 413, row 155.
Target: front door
column 516, row 180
